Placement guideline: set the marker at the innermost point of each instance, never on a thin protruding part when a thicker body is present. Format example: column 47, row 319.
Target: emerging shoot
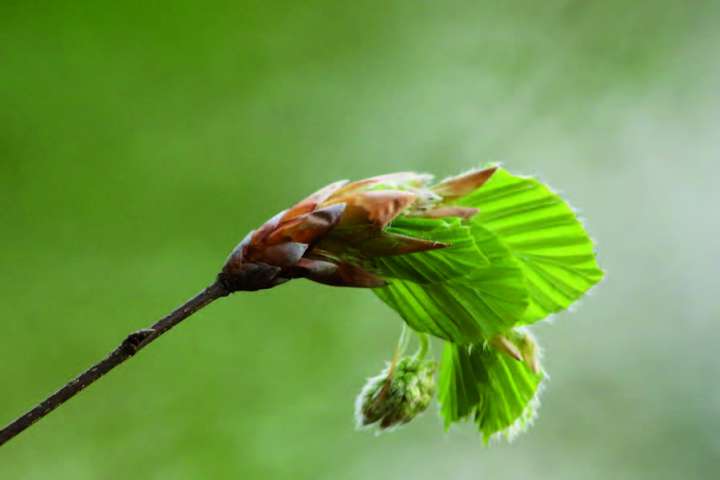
column 472, row 260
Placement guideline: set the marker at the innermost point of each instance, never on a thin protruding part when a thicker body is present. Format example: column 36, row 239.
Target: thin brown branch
column 129, row 347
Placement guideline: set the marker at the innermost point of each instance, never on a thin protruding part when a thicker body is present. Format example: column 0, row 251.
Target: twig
column 129, row 347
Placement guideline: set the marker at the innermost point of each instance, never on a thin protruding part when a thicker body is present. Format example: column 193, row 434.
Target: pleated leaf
column 496, row 392
column 450, row 293
column 461, row 256
column 543, row 233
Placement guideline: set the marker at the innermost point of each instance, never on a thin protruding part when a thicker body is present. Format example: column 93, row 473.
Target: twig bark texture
column 129, row 347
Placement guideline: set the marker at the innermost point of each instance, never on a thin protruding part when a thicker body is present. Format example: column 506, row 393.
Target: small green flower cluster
column 397, row 395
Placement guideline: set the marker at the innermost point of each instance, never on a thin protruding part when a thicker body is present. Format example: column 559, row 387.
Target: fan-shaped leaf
column 497, row 392
column 543, row 233
column 453, row 297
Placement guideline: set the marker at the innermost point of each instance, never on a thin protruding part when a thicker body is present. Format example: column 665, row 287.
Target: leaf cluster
column 523, row 257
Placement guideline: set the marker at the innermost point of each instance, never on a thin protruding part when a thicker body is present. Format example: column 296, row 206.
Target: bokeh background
column 139, row 141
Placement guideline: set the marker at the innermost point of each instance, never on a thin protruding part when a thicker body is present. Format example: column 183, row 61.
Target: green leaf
column 458, row 259
column 447, row 294
column 542, row 231
column 481, row 384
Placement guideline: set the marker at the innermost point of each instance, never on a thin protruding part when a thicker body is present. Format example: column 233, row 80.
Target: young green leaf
column 482, row 384
column 543, row 233
column 449, row 292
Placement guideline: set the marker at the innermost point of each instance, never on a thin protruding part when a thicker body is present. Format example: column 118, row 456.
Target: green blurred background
column 139, row 141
